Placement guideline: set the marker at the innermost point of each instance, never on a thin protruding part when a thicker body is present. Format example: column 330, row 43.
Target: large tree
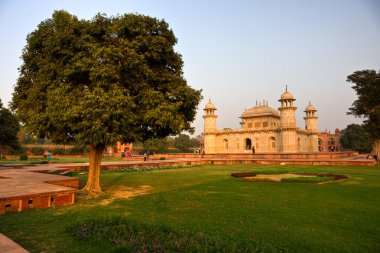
column 104, row 80
column 355, row 137
column 366, row 83
column 9, row 127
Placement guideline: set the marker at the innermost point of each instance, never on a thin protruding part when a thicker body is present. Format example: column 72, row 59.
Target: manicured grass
column 207, row 204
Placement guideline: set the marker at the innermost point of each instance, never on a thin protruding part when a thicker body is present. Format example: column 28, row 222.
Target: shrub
column 37, row 151
column 75, row 151
column 162, row 158
column 58, row 151
column 44, row 162
column 23, row 157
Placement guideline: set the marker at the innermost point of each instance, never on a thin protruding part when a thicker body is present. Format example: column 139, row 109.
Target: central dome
column 259, row 111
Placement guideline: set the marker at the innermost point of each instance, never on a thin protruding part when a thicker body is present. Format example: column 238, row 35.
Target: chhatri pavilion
column 263, row 130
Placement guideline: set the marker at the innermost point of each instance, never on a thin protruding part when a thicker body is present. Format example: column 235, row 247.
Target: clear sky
column 238, row 52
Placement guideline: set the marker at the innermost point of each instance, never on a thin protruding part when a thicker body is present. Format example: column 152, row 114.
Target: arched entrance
column 225, row 144
column 248, row 144
column 331, row 143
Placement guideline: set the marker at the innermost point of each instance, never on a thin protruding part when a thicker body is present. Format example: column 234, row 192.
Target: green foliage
column 194, row 142
column 37, row 151
column 162, row 158
column 9, row 126
column 182, row 142
column 75, row 151
column 58, row 151
column 23, row 157
column 103, row 80
column 155, row 145
column 366, row 83
column 355, row 137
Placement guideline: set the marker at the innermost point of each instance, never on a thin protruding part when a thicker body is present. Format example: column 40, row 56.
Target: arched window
column 272, row 143
column 331, row 142
column 225, row 144
column 248, row 144
column 320, row 145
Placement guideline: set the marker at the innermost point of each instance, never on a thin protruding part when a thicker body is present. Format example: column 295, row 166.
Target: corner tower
column 288, row 134
column 311, row 125
column 209, row 117
column 209, row 128
column 311, row 119
column 287, row 110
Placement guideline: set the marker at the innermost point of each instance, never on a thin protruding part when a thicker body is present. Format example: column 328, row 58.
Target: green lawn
column 207, row 205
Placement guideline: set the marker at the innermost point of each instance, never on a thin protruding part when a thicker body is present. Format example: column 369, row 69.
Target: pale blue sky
column 237, row 51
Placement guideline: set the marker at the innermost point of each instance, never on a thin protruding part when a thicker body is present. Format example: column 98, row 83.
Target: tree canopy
column 355, row 137
column 183, row 142
column 366, row 83
column 9, row 127
column 104, row 80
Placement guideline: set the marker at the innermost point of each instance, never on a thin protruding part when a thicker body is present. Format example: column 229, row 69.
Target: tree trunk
column 376, row 148
column 93, row 184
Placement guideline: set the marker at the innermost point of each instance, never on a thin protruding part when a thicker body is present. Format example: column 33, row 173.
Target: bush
column 44, row 162
column 58, row 151
column 37, row 151
column 162, row 158
column 75, row 151
column 23, row 157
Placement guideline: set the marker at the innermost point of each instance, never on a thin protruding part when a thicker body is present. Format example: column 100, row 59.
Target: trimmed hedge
column 23, row 157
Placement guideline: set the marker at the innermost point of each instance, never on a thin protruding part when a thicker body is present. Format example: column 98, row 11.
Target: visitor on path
column 49, row 156
column 145, row 156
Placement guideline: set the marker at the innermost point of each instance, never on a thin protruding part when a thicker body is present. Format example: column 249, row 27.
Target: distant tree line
column 182, row 143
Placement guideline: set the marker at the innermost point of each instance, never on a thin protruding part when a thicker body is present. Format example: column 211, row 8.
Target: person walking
column 49, row 156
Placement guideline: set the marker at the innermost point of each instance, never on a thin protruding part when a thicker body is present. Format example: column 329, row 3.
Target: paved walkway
column 9, row 246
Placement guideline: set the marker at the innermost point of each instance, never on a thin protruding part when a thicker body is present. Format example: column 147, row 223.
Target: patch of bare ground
column 124, row 192
column 253, row 177
column 274, row 177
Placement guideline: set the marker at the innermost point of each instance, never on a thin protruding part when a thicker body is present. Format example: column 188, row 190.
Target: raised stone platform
column 21, row 189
